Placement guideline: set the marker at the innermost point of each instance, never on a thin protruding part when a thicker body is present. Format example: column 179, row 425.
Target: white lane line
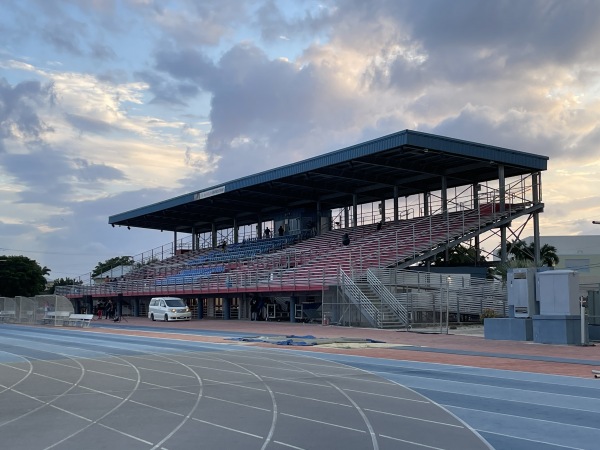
column 530, row 440
column 290, row 380
column 414, row 418
column 43, row 402
column 410, row 442
column 288, row 445
column 521, row 418
column 23, row 378
column 500, row 397
column 227, row 428
column 314, row 399
column 235, row 372
column 388, row 396
column 175, row 374
column 125, row 434
column 425, row 382
column 363, row 415
column 237, row 403
column 323, row 423
column 274, row 412
column 351, row 372
column 188, row 416
column 243, row 386
column 121, row 403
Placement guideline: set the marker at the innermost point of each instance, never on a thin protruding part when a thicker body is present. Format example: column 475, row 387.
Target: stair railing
column 358, row 298
column 387, row 297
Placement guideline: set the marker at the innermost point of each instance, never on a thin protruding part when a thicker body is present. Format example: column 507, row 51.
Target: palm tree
column 524, row 252
column 548, row 255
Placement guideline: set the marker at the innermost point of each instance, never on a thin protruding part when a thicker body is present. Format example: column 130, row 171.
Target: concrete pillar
column 213, row 233
column 236, row 237
column 175, row 242
column 226, row 308
column 136, row 307
column 200, row 308
column 293, row 301
column 119, row 306
column 90, row 303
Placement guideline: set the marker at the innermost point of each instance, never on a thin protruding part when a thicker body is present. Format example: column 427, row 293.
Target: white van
column 168, row 308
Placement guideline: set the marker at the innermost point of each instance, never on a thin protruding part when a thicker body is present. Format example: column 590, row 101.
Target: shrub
column 488, row 313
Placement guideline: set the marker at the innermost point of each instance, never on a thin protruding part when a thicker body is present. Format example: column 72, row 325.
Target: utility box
column 521, row 292
column 557, row 292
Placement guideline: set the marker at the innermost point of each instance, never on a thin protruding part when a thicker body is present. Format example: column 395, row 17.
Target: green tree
column 520, row 251
column 63, row 282
column 22, row 276
column 111, row 263
column 460, row 255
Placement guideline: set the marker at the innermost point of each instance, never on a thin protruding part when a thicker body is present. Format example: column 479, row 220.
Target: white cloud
column 183, row 95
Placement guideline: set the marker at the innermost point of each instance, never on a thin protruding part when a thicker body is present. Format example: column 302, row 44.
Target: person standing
column 253, row 309
column 281, row 230
column 346, row 239
column 267, row 233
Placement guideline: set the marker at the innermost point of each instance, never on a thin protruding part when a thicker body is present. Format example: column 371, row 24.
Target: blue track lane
column 512, row 410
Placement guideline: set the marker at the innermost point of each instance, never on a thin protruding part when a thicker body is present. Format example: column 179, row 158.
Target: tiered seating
column 369, row 247
column 189, row 276
column 244, row 250
column 273, row 264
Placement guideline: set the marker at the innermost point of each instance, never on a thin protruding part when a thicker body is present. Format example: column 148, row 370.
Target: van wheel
column 152, row 317
column 166, row 317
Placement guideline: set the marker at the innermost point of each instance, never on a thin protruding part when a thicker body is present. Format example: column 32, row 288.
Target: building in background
column 580, row 253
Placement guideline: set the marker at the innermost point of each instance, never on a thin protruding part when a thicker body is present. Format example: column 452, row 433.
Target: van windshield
column 175, row 302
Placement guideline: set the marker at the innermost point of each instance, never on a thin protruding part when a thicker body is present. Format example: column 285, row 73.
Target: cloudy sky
column 109, row 105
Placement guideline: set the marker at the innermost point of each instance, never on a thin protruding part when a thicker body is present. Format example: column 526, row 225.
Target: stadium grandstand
column 402, row 199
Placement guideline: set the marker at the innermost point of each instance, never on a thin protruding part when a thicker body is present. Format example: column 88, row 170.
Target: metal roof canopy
column 412, row 161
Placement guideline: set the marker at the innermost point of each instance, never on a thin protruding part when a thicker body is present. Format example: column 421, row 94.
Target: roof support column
column 382, row 210
column 502, row 193
column 174, row 242
column 319, row 225
column 236, row 236
column 535, row 188
column 476, row 187
column 259, row 228
column 354, row 211
column 426, row 196
column 395, row 203
column 346, row 217
column 444, row 195
column 194, row 239
column 213, row 233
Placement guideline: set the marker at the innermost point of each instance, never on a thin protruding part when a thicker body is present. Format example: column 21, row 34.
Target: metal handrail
column 387, row 297
column 357, row 297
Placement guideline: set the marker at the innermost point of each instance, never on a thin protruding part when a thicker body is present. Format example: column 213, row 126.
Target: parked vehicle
column 168, row 308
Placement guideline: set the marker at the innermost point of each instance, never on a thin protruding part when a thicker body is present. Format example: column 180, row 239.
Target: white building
column 580, row 253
